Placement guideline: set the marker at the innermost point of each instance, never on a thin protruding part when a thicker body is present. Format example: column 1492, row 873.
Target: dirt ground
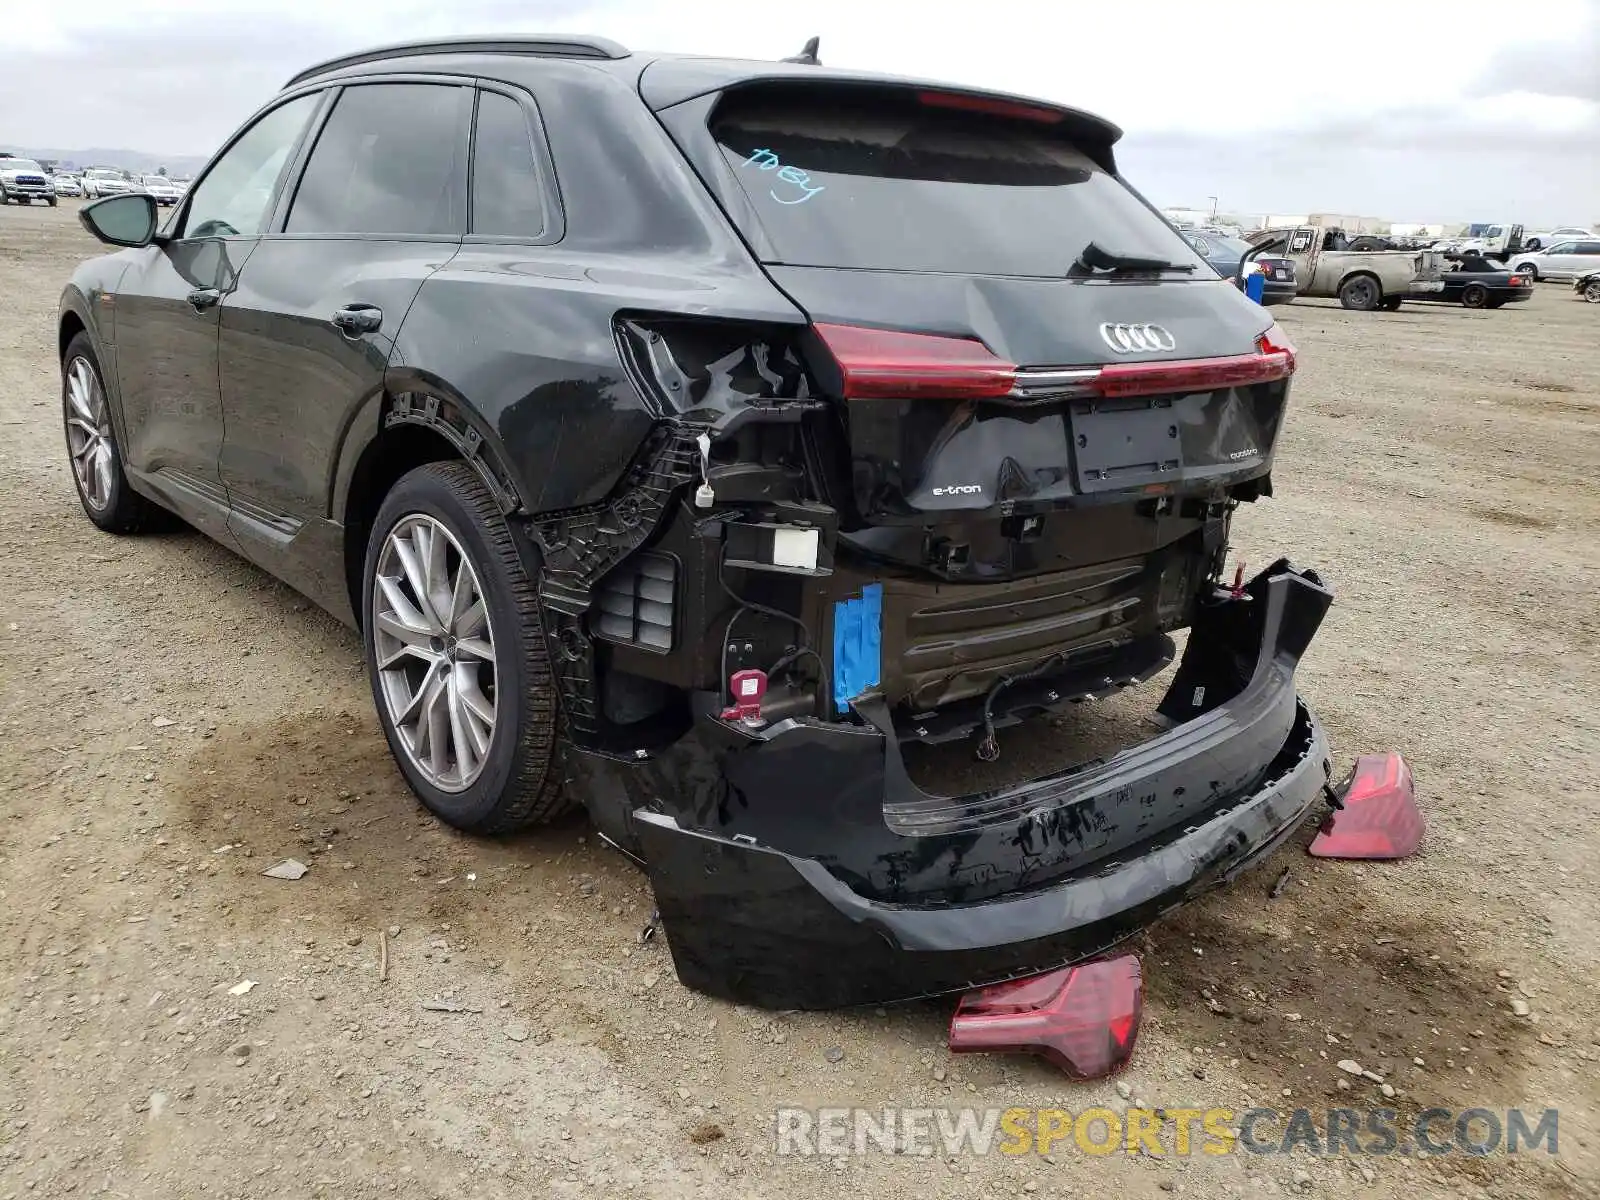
column 173, row 722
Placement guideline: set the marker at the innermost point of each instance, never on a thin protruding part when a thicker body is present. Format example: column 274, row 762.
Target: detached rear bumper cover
column 776, row 889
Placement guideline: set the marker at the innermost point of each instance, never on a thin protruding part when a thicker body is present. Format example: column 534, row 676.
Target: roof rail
column 576, row 46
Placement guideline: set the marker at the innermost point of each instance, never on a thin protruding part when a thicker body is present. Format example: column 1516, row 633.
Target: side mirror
column 125, row 220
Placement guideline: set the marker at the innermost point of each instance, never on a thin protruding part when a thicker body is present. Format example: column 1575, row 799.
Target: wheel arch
column 397, row 430
column 69, row 326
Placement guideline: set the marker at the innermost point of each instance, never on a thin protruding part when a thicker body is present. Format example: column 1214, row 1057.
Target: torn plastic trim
column 754, row 925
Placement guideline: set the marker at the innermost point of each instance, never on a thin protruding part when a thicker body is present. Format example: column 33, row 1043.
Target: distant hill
column 136, row 161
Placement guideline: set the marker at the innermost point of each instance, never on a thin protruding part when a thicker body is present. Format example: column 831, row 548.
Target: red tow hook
column 1237, row 590
column 748, row 688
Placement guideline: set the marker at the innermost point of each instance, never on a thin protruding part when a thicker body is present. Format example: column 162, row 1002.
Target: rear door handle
column 355, row 319
column 204, row 298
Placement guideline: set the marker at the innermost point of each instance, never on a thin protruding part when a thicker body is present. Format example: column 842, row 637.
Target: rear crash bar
column 797, row 866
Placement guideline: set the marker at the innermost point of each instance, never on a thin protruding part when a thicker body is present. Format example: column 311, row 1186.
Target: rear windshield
column 879, row 179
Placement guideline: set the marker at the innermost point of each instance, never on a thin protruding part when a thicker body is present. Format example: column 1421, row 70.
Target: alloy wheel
column 1591, row 291
column 89, row 434
column 434, row 646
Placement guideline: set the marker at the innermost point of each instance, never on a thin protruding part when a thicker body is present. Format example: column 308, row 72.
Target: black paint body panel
column 797, row 863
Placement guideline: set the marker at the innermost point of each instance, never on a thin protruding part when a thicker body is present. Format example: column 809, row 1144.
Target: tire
column 511, row 777
column 1474, row 295
column 1361, row 293
column 52, row 201
column 1591, row 291
column 93, row 455
column 1392, row 304
column 1531, row 270
column 1534, row 244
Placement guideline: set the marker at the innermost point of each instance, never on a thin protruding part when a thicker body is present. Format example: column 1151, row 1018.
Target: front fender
column 90, row 297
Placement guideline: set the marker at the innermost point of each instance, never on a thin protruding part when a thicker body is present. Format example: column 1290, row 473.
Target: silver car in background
column 103, row 181
column 1564, row 260
column 159, row 188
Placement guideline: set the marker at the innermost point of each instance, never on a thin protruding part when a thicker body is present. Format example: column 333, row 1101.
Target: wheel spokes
column 434, row 652
column 411, row 563
column 102, row 470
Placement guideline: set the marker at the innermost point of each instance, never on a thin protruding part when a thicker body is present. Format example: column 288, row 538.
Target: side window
column 1589, row 247
column 506, row 197
column 234, row 196
column 391, row 159
column 1199, row 243
column 1563, row 248
column 1300, row 242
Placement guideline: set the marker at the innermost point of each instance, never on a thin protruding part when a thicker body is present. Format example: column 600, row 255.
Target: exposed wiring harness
column 744, row 605
column 989, row 747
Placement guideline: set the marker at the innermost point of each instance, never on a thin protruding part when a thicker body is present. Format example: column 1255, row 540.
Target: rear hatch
column 934, row 239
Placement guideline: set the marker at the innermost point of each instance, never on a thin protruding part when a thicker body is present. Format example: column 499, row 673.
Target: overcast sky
column 1410, row 110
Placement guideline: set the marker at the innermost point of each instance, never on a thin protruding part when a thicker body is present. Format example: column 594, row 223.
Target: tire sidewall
column 1475, row 295
column 1374, row 294
column 423, row 492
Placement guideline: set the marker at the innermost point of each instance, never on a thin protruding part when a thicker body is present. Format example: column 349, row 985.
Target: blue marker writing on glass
column 766, row 160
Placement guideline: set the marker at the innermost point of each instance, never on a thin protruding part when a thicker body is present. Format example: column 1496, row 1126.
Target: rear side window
column 506, row 197
column 876, row 178
column 392, row 159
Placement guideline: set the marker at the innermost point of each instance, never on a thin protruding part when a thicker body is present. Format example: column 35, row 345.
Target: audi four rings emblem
column 1137, row 339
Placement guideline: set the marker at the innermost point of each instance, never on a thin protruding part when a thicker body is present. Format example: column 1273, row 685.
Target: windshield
column 94, row 174
column 20, row 164
column 847, row 177
column 1225, row 247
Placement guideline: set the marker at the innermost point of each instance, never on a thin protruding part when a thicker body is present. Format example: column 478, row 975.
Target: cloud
column 1565, row 66
column 1401, row 107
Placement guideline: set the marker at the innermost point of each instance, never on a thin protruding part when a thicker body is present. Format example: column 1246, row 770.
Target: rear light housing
column 1377, row 815
column 884, row 364
column 1084, row 1019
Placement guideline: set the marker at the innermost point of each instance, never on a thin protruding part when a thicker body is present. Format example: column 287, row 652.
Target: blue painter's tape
column 857, row 645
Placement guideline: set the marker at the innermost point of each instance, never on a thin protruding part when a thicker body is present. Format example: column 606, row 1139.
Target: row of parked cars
column 23, row 180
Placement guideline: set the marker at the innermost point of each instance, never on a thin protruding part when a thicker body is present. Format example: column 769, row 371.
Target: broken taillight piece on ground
column 1084, row 1019
column 1378, row 815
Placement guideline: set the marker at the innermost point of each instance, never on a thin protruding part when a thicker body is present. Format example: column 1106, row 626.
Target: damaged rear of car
column 707, row 442
column 986, row 480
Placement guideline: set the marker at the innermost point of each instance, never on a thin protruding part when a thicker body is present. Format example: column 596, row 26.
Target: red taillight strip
column 884, row 364
column 1192, row 375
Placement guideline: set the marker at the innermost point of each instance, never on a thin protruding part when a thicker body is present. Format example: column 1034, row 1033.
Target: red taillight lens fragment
column 1275, row 344
column 1084, row 1019
column 882, row 364
column 1380, row 817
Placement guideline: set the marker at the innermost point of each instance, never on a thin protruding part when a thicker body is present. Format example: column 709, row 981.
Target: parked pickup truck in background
column 1360, row 279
